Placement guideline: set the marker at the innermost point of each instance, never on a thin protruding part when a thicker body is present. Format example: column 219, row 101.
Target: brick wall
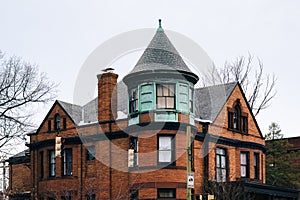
column 20, row 178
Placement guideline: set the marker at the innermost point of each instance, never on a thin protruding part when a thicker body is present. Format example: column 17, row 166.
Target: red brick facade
column 146, row 158
column 95, row 177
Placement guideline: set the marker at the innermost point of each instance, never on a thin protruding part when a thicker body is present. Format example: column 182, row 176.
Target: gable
column 254, row 131
column 56, row 108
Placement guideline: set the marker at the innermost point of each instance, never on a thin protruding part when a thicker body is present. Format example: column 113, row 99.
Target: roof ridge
column 60, row 101
column 221, row 84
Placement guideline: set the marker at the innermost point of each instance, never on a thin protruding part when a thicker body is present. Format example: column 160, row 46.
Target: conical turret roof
column 160, row 54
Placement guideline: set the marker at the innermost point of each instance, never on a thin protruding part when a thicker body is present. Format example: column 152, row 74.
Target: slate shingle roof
column 22, row 157
column 73, row 110
column 160, row 54
column 210, row 100
column 208, row 103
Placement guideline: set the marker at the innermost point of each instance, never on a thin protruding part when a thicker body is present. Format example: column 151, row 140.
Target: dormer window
column 237, row 120
column 57, row 122
column 165, row 96
column 133, row 102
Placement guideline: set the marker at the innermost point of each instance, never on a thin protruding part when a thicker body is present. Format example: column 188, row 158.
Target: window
column 221, row 165
column 52, row 163
column 165, row 96
column 67, row 162
column 244, row 124
column 134, row 195
column 244, row 165
column 90, row 197
column 238, row 120
column 256, row 165
column 90, row 153
column 166, row 193
column 133, row 100
column 57, row 122
column 49, row 125
column 191, row 96
column 166, row 149
column 41, row 164
column 64, row 123
column 134, row 146
column 236, row 117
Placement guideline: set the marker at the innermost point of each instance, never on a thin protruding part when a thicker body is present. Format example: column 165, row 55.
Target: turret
column 161, row 85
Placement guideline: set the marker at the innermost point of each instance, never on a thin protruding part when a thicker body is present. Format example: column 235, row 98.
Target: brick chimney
column 107, row 95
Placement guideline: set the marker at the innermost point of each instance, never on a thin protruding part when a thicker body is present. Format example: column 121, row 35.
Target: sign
column 190, row 180
column 130, row 157
column 58, row 144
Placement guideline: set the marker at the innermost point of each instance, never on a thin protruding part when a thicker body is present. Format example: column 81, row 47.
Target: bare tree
column 227, row 190
column 21, row 86
column 259, row 87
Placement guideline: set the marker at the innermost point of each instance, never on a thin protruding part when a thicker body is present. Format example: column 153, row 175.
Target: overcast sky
column 59, row 35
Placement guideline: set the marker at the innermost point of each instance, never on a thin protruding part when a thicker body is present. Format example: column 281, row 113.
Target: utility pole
column 188, row 164
column 4, row 168
column 4, row 175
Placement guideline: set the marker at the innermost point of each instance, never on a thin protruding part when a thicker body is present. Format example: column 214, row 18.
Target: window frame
column 244, row 165
column 133, row 100
column 41, row 161
column 57, row 122
column 236, row 117
column 171, row 190
column 256, row 165
column 64, row 123
column 237, row 120
column 52, row 163
column 67, row 165
column 172, row 150
column 191, row 99
column 219, row 160
column 134, row 144
column 165, row 97
column 90, row 152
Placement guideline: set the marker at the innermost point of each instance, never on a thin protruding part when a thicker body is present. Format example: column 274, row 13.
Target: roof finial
column 159, row 26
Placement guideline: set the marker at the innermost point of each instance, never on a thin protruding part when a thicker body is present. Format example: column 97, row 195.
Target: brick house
column 131, row 141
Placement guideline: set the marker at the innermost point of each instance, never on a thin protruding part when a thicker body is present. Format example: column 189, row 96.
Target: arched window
column 236, row 117
column 237, row 120
column 57, row 122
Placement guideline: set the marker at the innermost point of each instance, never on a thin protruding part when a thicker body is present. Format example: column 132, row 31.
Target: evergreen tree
column 282, row 168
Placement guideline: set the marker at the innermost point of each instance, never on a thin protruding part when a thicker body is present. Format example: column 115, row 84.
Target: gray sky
column 59, row 35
